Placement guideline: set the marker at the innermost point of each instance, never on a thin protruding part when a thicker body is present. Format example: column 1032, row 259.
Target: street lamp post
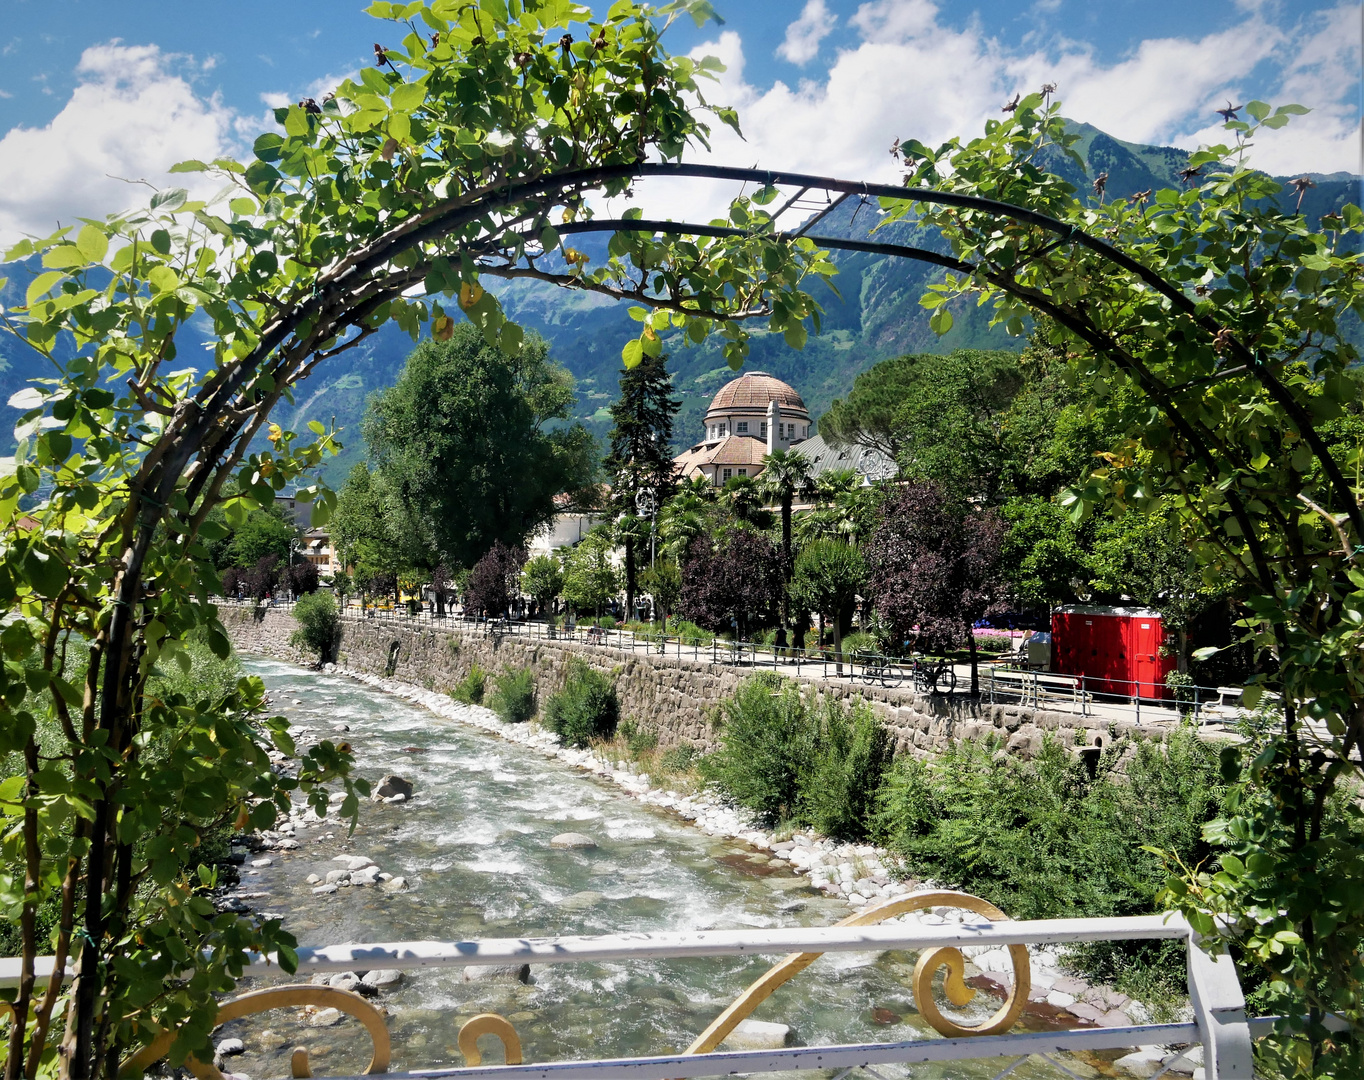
column 646, row 502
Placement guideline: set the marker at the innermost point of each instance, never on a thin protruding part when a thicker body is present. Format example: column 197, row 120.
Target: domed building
column 749, row 418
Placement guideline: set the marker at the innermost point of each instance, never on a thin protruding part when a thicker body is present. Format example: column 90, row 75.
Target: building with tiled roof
column 749, row 418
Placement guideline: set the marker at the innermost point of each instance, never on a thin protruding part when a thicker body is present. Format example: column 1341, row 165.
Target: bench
column 1036, row 686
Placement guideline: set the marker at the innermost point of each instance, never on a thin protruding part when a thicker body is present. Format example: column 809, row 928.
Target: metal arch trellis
column 1065, row 233
column 217, row 423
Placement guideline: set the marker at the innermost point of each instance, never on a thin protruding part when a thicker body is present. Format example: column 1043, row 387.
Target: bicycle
column 934, row 677
column 879, row 669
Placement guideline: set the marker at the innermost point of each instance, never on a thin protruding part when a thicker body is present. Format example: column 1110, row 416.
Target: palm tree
column 835, row 482
column 785, row 475
column 682, row 518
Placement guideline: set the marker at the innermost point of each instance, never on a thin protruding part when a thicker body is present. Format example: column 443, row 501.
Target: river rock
column 572, row 840
column 325, row 890
column 263, row 862
column 498, row 972
column 336, row 877
column 229, row 1047
column 392, row 785
column 345, row 980
column 313, row 879
column 580, row 901
column 1146, row 1061
column 325, row 1017
column 394, row 884
column 287, row 845
column 758, row 1035
column 369, row 875
column 383, row 978
column 354, row 862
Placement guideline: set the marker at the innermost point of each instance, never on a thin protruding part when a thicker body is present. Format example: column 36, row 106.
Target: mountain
column 874, row 315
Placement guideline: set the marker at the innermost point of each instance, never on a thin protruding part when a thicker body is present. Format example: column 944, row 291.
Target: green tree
column 590, row 577
column 1142, row 556
column 543, row 578
column 1229, row 318
column 1047, row 556
column 362, row 529
column 869, row 415
column 464, row 443
column 785, row 477
column 663, row 581
column 640, row 458
column 263, row 533
column 319, row 626
column 827, row 577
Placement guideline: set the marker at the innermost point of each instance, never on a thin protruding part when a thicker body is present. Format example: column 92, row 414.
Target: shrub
column 1044, row 839
column 636, row 738
column 513, row 696
column 852, row 751
column 690, row 633
column 586, row 708
column 319, row 625
column 766, row 743
column 860, row 642
column 469, row 689
column 994, row 643
column 678, row 758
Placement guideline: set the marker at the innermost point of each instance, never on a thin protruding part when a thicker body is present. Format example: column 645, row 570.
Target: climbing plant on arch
column 472, row 147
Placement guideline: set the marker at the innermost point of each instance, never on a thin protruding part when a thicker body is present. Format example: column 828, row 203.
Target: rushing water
column 474, row 846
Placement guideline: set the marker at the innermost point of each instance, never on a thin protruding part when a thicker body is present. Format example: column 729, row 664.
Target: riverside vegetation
column 1060, row 835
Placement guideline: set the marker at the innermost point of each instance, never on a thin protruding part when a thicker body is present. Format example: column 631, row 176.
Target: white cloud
column 804, row 35
column 913, row 76
column 132, row 115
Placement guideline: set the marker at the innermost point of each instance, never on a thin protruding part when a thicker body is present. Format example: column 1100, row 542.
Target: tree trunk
column 838, row 645
column 629, row 578
column 785, row 617
column 975, row 676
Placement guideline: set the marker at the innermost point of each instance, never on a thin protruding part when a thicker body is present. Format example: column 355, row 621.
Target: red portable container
column 1117, row 650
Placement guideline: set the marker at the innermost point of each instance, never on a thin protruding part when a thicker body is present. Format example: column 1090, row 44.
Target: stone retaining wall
column 675, row 699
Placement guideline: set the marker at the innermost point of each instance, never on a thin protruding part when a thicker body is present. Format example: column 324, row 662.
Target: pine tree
column 641, row 450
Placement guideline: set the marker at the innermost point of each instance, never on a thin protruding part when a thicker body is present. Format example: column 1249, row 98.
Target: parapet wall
column 677, row 699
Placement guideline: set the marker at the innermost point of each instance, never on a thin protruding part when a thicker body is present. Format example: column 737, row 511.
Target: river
column 474, row 846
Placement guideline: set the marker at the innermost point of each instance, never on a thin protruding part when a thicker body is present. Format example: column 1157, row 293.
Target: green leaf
column 408, row 96
column 163, row 279
column 93, row 243
column 940, row 321
column 39, row 286
column 192, row 165
column 170, row 199
column 47, row 573
column 633, row 353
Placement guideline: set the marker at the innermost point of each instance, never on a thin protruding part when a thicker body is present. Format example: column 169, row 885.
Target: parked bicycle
column 933, row 676
column 880, row 669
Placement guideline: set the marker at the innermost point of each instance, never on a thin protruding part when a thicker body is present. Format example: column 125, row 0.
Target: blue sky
column 93, row 88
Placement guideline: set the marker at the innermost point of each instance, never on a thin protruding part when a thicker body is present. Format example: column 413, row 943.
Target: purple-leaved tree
column 734, row 584
column 935, row 568
column 495, row 580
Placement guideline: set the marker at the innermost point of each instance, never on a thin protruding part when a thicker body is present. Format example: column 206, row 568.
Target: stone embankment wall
column 676, row 699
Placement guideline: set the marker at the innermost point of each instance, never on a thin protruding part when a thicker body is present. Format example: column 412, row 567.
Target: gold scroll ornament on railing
column 958, row 993
column 930, row 962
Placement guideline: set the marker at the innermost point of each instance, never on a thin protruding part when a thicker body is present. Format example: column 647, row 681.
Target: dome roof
column 752, row 391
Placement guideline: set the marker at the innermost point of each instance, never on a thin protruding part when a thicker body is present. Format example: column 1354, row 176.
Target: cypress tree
column 641, row 456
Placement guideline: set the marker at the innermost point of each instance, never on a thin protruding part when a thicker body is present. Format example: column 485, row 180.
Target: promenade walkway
column 1215, row 708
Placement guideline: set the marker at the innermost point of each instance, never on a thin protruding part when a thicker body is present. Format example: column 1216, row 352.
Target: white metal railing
column 1220, row 1024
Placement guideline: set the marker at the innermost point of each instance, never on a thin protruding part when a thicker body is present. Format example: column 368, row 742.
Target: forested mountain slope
column 875, row 315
